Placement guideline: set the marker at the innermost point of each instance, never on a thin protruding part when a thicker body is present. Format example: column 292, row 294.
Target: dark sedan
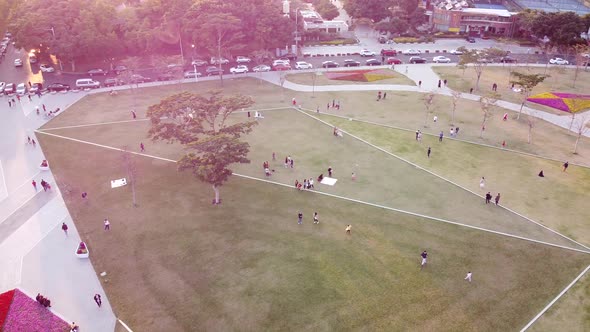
column 351, row 63
column 210, row 71
column 507, row 59
column 417, row 59
column 136, row 78
column 113, row 82
column 58, row 87
column 373, row 62
column 97, row 71
column 329, row 64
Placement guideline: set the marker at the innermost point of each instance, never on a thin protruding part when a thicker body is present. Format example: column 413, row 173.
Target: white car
column 303, row 65
column 46, row 68
column 367, row 53
column 21, row 89
column 18, row 62
column 441, row 59
column 456, row 52
column 191, row 74
column 261, row 68
column 281, row 62
column 559, row 61
column 411, row 52
column 243, row 59
column 216, row 61
column 241, row 69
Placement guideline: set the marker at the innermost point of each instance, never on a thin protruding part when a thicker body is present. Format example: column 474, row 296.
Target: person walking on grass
column 482, row 183
column 468, row 276
column 424, row 256
column 566, row 165
column 440, row 136
column 330, row 171
column 98, row 300
column 316, row 219
column 64, row 228
column 488, row 198
column 299, row 218
column 134, row 115
column 107, row 224
column 142, row 147
column 348, row 229
column 497, row 199
column 428, row 152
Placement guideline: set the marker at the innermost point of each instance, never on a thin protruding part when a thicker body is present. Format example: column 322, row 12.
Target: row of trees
column 326, row 9
column 407, row 13
column 562, row 29
column 77, row 29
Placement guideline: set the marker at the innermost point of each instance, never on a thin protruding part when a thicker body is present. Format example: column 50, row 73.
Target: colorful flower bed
column 362, row 75
column 18, row 313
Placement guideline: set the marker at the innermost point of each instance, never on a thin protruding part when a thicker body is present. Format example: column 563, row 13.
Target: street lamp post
column 296, row 31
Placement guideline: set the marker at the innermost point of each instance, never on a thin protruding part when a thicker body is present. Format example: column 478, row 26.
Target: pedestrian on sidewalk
column 419, row 84
column 64, row 228
column 98, row 300
column 9, row 103
column 333, row 102
column 34, row 185
column 497, row 199
column 378, row 95
column 44, row 108
column 142, row 147
column 133, row 115
column 29, row 139
column 445, row 82
column 428, row 152
column 18, row 98
column 107, row 224
column 384, row 95
column 471, row 90
column 424, row 256
column 30, row 99
column 439, row 83
column 468, row 276
column 294, row 101
column 34, row 143
column 566, row 165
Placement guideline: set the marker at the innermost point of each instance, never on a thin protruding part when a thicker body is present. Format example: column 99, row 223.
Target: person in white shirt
column 468, row 276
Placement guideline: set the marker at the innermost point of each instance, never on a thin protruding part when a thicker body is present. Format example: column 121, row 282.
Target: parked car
column 10, row 88
column 388, row 52
column 417, row 59
column 84, row 83
column 485, row 60
column 241, row 69
column 382, row 39
column 441, row 59
column 136, row 78
column 191, row 74
column 507, row 59
column 242, row 59
column 46, row 68
column 112, row 82
column 351, row 63
column 281, row 61
column 456, row 52
column 18, row 62
column 21, row 89
column 281, row 66
column 261, row 68
column 97, row 71
column 119, row 69
column 2, row 86
column 210, row 71
column 411, row 52
column 289, row 56
column 394, row 61
column 165, row 77
column 36, row 87
column 559, row 61
column 470, row 39
column 199, row 63
column 216, row 61
column 373, row 62
column 58, row 87
column 366, row 52
column 303, row 65
column 329, row 64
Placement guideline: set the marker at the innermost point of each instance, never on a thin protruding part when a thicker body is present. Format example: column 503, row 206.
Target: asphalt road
column 31, row 73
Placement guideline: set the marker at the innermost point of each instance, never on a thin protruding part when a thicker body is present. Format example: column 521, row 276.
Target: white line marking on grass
column 527, row 326
column 418, row 215
column 336, row 196
column 124, row 325
column 442, row 178
column 446, row 137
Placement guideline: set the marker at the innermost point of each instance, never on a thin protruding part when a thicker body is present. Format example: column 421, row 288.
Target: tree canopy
column 375, row 10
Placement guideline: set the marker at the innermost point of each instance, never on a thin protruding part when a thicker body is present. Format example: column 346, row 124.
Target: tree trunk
column 216, row 190
column 73, row 65
column 477, row 82
column 576, row 145
column 520, row 111
column 219, row 57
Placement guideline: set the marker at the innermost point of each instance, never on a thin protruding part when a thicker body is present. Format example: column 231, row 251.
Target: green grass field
column 178, row 263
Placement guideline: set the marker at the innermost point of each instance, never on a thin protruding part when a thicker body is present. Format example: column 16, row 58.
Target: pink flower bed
column 25, row 314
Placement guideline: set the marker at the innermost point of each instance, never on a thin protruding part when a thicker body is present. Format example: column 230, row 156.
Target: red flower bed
column 5, row 302
column 25, row 314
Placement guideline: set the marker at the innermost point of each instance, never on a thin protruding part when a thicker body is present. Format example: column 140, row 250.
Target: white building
column 313, row 21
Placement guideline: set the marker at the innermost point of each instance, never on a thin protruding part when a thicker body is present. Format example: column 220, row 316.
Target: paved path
column 35, row 255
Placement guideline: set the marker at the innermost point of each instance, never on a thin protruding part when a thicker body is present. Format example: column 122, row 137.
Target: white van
column 87, row 83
